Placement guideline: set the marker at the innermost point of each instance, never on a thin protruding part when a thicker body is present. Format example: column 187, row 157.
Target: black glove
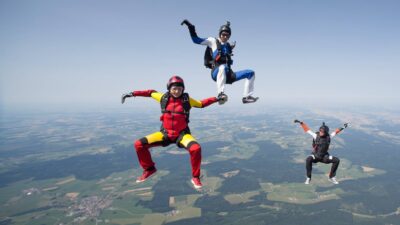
column 191, row 27
column 298, row 121
column 222, row 98
column 187, row 23
column 344, row 126
column 124, row 96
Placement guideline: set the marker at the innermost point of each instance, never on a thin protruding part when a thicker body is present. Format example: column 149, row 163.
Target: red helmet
column 175, row 80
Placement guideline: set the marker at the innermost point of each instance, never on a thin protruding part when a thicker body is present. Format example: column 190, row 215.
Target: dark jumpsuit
column 320, row 153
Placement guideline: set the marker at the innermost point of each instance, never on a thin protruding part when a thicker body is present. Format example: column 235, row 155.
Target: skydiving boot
column 249, row 99
column 196, row 182
column 146, row 174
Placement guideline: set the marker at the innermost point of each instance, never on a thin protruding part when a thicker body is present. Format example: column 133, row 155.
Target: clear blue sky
column 90, row 52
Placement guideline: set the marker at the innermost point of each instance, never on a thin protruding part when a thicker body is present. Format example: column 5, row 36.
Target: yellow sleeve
column 195, row 103
column 157, row 96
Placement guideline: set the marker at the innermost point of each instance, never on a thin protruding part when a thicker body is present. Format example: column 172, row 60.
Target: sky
column 83, row 53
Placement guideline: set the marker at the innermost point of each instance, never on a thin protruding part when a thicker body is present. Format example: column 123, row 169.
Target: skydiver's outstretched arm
column 306, row 129
column 203, row 103
column 196, row 39
column 146, row 93
column 338, row 130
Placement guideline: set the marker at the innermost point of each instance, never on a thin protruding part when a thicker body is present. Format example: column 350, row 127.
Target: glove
column 298, row 121
column 344, row 126
column 192, row 29
column 233, row 45
column 124, row 96
column 187, row 23
column 222, row 98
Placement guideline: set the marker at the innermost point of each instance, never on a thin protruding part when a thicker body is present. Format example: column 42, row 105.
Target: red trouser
column 143, row 145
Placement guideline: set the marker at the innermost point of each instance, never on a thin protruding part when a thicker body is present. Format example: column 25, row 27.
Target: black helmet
column 175, row 80
column 324, row 128
column 225, row 28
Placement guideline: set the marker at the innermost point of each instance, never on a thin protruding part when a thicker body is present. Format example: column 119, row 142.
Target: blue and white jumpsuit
column 220, row 74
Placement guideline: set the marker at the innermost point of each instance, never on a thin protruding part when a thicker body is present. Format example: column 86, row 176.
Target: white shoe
column 307, row 180
column 333, row 180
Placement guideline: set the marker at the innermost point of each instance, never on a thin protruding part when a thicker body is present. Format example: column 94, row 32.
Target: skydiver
column 321, row 142
column 218, row 58
column 175, row 109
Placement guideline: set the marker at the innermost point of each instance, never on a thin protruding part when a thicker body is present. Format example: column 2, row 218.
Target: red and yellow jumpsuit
column 175, row 130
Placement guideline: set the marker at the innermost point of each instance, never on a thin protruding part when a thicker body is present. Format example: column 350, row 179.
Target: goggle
column 177, row 85
column 225, row 34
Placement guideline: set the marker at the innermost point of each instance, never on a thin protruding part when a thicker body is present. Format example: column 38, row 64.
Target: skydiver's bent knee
column 245, row 74
column 139, row 144
column 335, row 160
column 194, row 147
column 251, row 74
